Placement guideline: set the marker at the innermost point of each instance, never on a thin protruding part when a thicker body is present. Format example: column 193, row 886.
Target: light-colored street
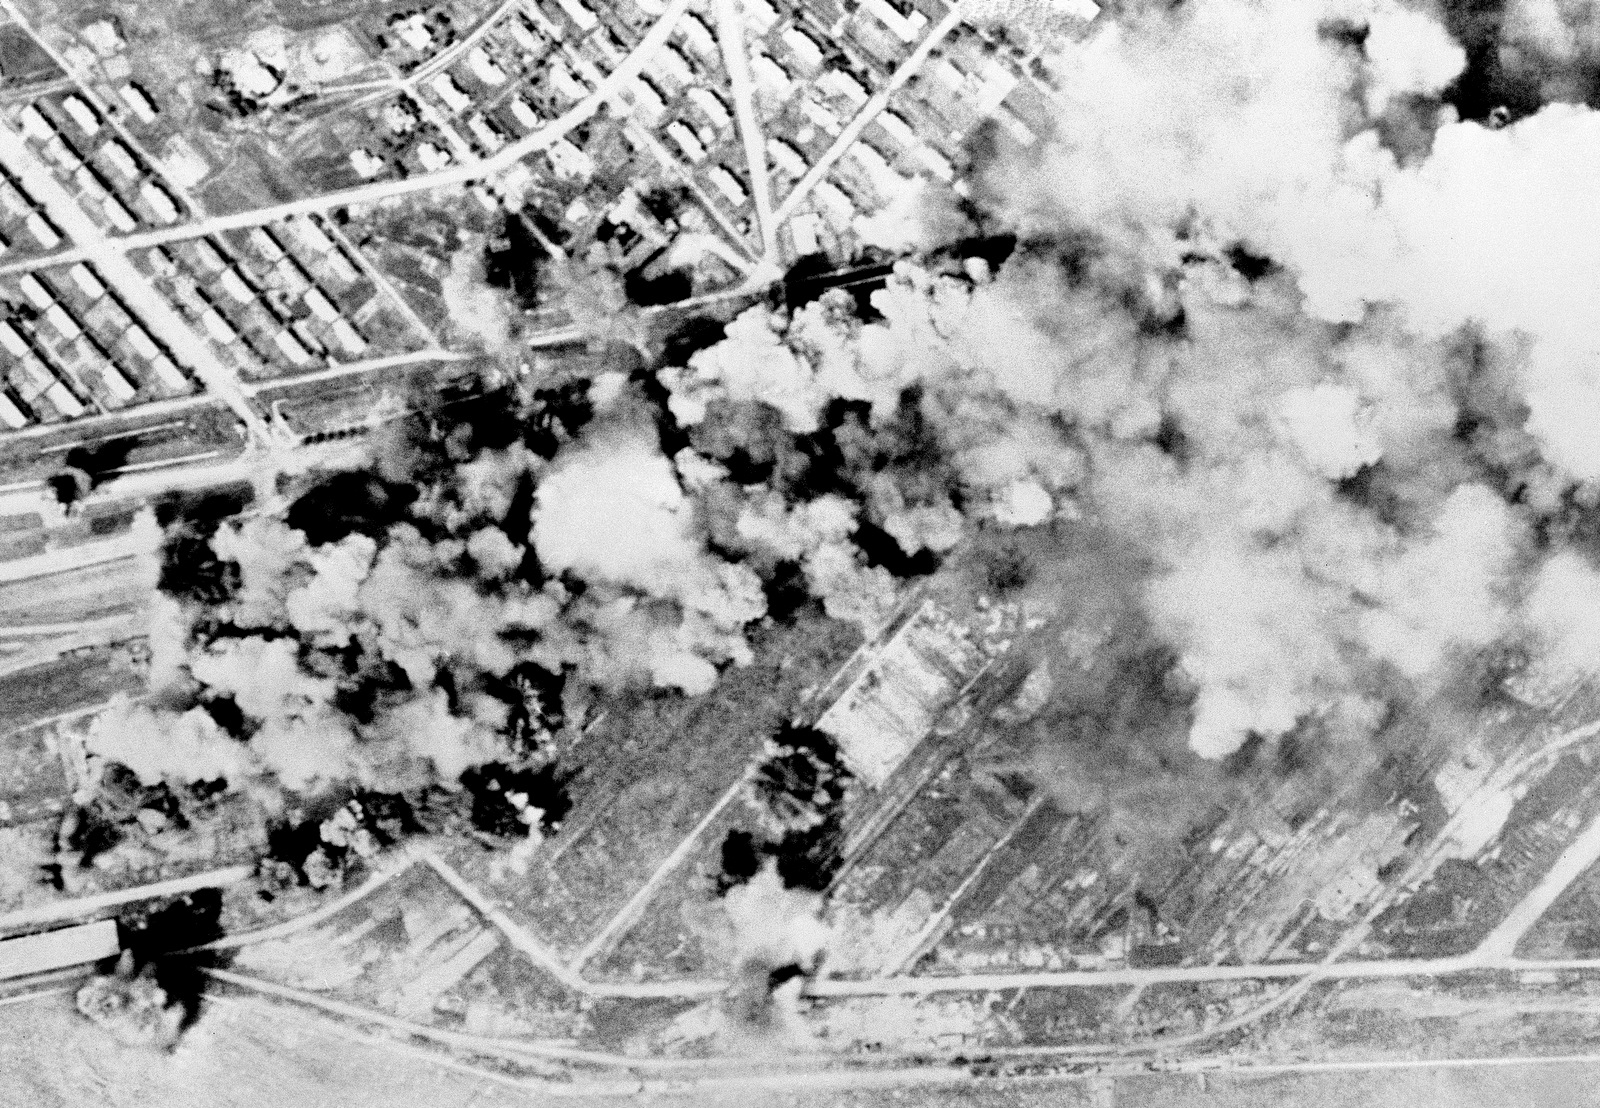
column 736, row 58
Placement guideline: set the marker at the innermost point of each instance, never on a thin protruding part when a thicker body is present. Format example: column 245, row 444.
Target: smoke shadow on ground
column 349, row 503
column 165, row 937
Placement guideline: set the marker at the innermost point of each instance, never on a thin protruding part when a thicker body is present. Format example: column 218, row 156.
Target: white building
column 168, row 374
column 43, row 232
column 723, row 180
column 770, row 75
column 62, row 400
column 141, row 342
column 698, row 35
column 236, row 285
column 803, row 47
column 116, row 384
column 906, row 28
column 139, row 102
column 64, row 324
column 82, row 114
column 118, row 215
column 687, row 142
column 523, row 113
column 291, row 348
column 10, row 414
column 311, row 236
column 160, row 202
column 366, row 164
column 486, row 133
column 320, row 305
column 786, row 157
column 35, row 291
column 35, row 125
column 413, row 31
column 433, row 159
column 220, row 330
column 711, row 106
column 87, row 282
column 445, row 88
column 121, row 159
column 12, row 341
column 562, row 80
column 484, row 67
column 348, row 337
column 579, row 14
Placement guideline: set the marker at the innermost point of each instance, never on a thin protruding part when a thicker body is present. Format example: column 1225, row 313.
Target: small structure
column 11, row 413
column 488, row 136
column 413, row 31
column 686, row 140
column 82, row 114
column 484, row 67
column 120, row 159
column 367, row 165
column 320, row 305
column 35, row 125
column 118, row 215
column 161, row 203
column 523, row 113
column 803, row 47
column 711, row 106
column 433, row 159
column 576, row 11
column 445, row 87
column 43, row 231
column 139, row 102
column 723, row 180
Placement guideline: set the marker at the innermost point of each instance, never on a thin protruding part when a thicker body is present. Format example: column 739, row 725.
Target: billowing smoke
column 1283, row 400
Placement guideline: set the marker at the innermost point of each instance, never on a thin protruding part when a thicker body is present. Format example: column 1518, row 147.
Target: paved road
column 736, row 59
column 1579, row 855
column 58, row 910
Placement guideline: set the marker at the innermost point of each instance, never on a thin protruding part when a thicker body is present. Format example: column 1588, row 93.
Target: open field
column 69, row 683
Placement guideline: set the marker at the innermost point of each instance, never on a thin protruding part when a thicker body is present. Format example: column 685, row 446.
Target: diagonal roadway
column 736, row 59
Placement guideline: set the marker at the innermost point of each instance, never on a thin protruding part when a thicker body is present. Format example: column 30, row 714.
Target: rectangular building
column 83, row 115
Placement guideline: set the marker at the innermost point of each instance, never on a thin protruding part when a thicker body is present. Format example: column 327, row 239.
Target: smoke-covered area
column 1264, row 372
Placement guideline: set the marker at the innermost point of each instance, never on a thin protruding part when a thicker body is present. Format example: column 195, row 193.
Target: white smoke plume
column 1413, row 290
column 1310, row 352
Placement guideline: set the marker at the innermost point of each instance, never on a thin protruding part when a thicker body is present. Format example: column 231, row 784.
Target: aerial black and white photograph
column 800, row 553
